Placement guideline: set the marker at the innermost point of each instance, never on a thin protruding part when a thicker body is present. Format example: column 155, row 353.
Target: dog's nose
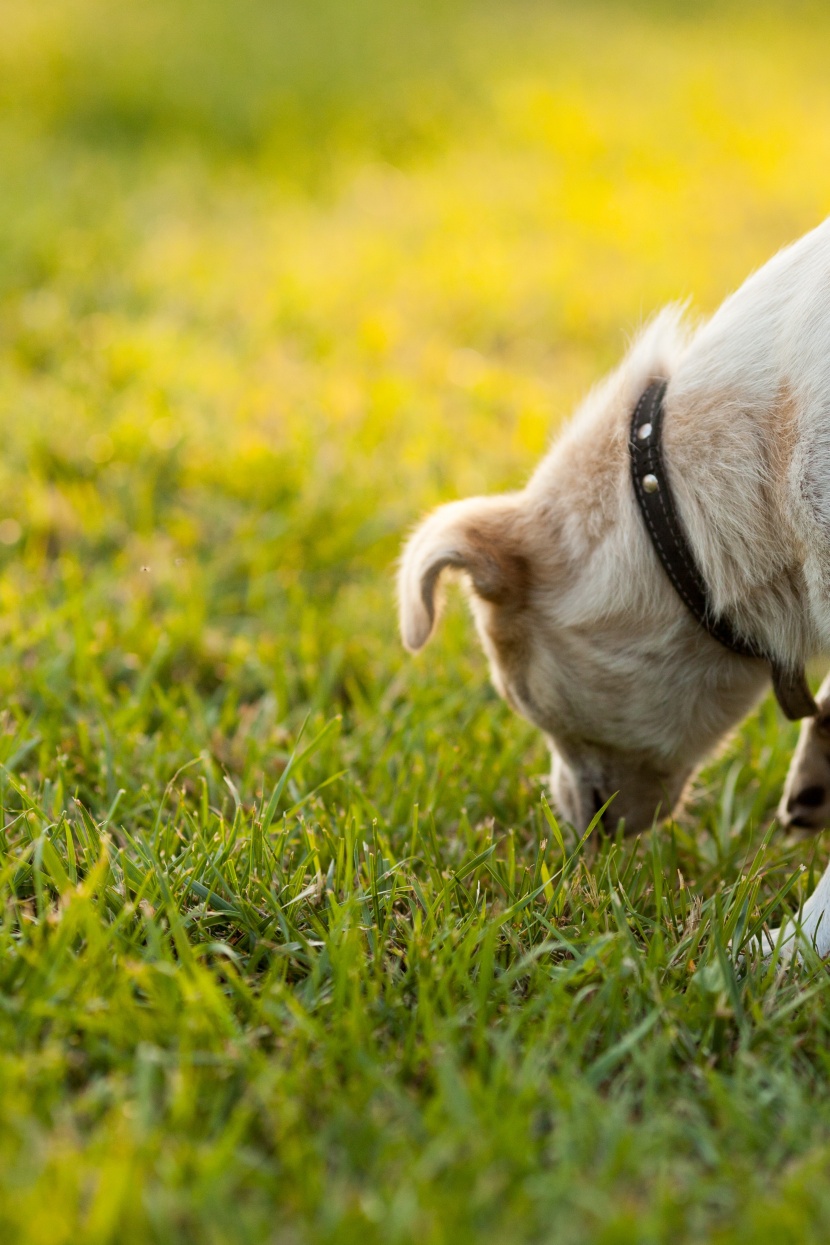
column 597, row 801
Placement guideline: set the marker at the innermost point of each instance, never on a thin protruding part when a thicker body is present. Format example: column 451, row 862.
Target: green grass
column 292, row 948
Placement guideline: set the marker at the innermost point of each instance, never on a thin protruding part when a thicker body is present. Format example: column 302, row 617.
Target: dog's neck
column 730, row 469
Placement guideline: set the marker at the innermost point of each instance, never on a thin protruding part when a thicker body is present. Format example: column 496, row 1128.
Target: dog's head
column 584, row 634
column 582, row 675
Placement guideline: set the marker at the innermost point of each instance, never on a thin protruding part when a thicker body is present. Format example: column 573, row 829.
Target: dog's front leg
column 805, row 805
column 811, row 929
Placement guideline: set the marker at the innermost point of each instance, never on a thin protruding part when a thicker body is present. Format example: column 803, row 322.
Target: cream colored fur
column 585, row 635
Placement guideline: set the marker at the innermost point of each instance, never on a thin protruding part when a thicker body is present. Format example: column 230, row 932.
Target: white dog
column 669, row 553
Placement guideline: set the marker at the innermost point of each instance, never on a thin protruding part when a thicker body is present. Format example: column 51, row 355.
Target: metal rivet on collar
column 644, row 432
column 650, row 484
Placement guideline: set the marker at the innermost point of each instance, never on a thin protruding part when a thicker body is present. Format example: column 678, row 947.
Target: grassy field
column 293, row 950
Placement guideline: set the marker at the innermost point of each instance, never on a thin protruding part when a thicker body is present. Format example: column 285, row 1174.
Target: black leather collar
column 657, row 506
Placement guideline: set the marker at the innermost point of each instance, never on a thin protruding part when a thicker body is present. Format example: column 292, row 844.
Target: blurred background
column 275, row 277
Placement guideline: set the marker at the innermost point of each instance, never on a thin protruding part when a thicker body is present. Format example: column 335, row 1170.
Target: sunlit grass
column 274, row 279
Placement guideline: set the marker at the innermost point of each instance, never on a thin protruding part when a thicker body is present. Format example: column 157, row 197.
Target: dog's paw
column 799, row 942
column 780, row 943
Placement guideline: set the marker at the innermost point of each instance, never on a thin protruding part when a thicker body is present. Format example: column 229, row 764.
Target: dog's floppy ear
column 478, row 536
